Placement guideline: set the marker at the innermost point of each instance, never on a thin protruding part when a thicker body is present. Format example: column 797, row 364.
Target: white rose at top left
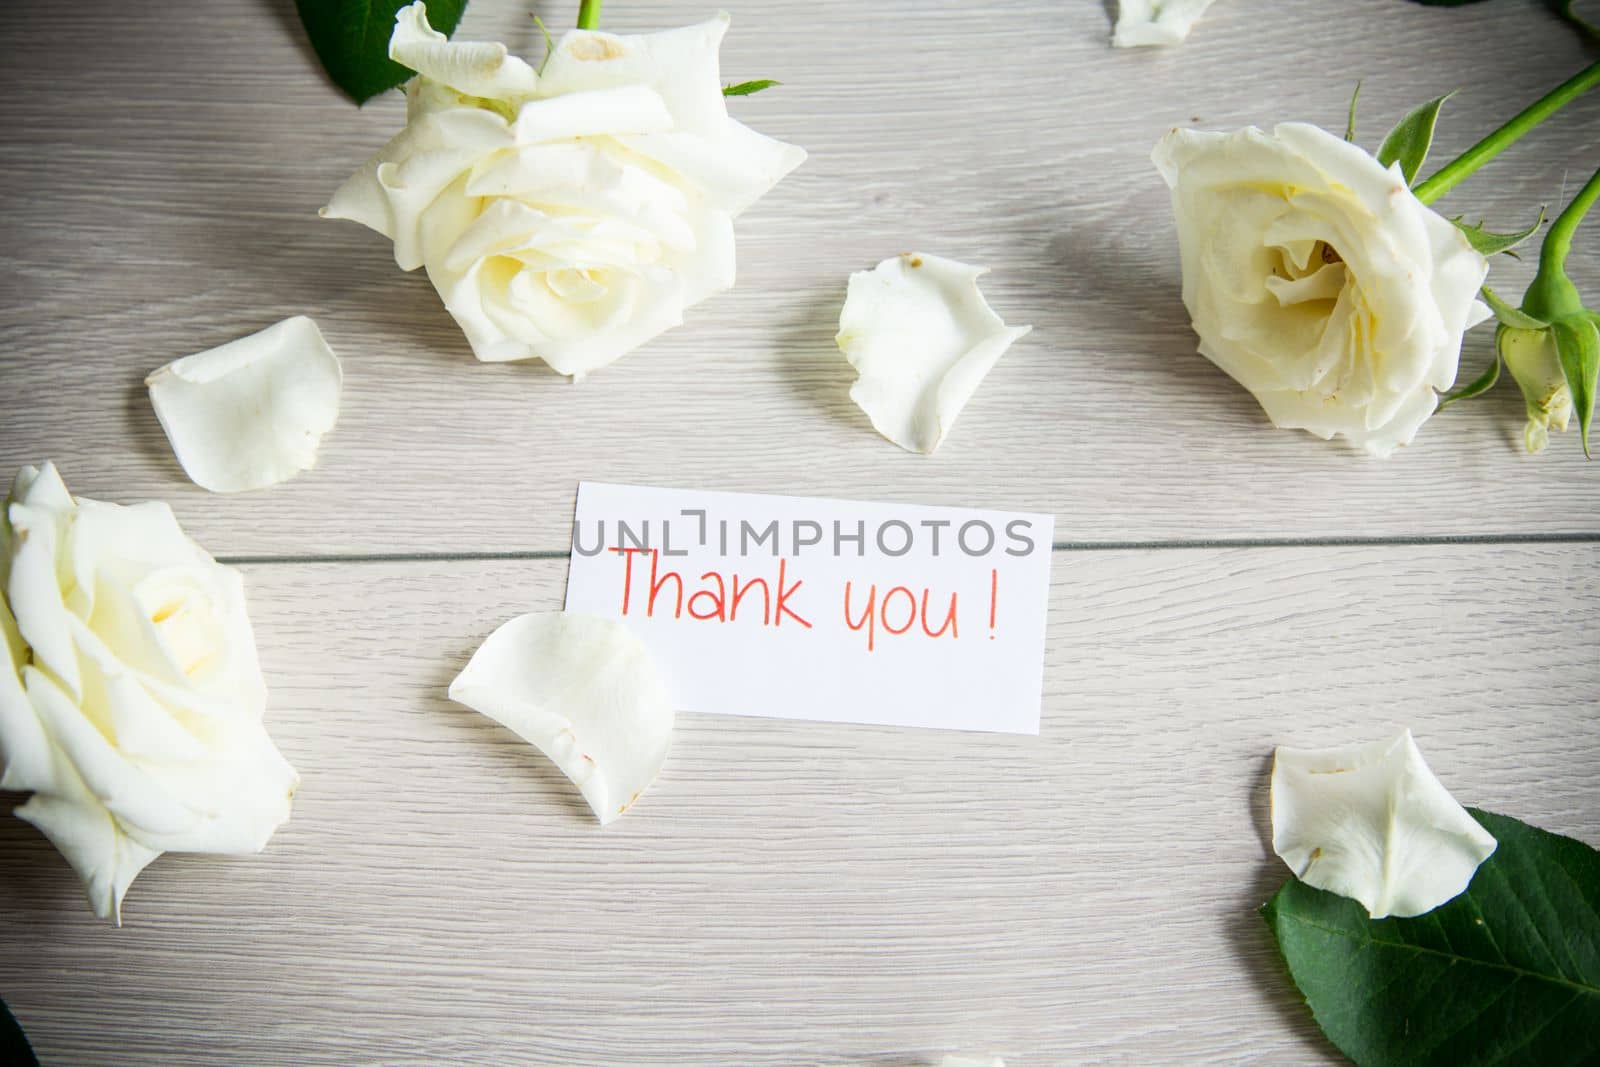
column 131, row 698
column 568, row 214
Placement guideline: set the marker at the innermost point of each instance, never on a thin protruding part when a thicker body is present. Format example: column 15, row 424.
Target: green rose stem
column 589, row 15
column 1454, row 172
column 1551, row 295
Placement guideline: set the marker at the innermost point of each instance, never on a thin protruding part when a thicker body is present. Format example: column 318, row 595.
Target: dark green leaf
column 351, row 37
column 1578, row 348
column 746, row 88
column 1564, row 8
column 1481, row 384
column 1408, row 143
column 1506, row 973
column 1489, row 244
column 14, row 1047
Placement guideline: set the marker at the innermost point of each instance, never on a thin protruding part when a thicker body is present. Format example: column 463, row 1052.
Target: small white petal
column 584, row 691
column 1156, row 22
column 473, row 69
column 1372, row 823
column 923, row 337
column 252, row 412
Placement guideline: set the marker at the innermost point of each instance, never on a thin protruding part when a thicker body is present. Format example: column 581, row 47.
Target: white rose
column 1317, row 281
column 570, row 215
column 130, row 694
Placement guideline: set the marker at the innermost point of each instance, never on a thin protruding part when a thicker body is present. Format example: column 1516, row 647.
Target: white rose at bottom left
column 131, row 698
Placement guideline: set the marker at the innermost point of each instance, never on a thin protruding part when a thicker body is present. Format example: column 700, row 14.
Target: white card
column 836, row 610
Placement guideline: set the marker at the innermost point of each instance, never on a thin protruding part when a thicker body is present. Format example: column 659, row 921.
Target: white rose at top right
column 1317, row 280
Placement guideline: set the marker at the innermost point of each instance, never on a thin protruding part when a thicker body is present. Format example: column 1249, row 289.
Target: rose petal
column 1156, row 22
column 584, row 691
column 1372, row 823
column 37, row 515
column 105, row 858
column 680, row 65
column 24, row 747
column 923, row 337
column 393, row 189
column 473, row 69
column 252, row 412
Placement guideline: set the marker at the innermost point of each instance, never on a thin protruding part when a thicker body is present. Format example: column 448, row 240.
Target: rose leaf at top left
column 351, row 38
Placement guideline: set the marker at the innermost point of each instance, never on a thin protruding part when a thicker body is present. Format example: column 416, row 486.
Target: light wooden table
column 789, row 893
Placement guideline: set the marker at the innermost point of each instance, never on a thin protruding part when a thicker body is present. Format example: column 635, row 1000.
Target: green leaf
column 1481, row 384
column 1506, row 973
column 746, row 88
column 14, row 1047
column 1560, row 7
column 1489, row 244
column 1514, row 317
column 351, row 37
column 1408, row 143
column 1578, row 348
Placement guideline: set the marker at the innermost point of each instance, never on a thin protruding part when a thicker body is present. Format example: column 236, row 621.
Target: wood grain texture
column 161, row 199
column 799, row 893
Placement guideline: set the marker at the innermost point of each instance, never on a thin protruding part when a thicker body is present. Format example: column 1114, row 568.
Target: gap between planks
column 1058, row 546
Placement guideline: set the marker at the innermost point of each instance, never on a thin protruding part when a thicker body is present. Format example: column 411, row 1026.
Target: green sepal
column 1578, row 348
column 1408, row 143
column 1516, row 318
column 747, row 88
column 1481, row 384
column 1490, row 244
column 550, row 45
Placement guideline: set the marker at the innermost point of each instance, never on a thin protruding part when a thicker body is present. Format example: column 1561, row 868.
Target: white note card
column 835, row 610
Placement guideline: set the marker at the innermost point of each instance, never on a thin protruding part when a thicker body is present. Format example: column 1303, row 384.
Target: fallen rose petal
column 1141, row 23
column 252, row 412
column 584, row 691
column 923, row 337
column 1372, row 823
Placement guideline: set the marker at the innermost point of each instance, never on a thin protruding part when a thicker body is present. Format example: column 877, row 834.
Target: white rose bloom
column 130, row 694
column 1317, row 281
column 569, row 215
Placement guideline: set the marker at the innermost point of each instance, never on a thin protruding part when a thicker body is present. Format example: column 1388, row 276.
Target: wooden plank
column 159, row 179
column 801, row 893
